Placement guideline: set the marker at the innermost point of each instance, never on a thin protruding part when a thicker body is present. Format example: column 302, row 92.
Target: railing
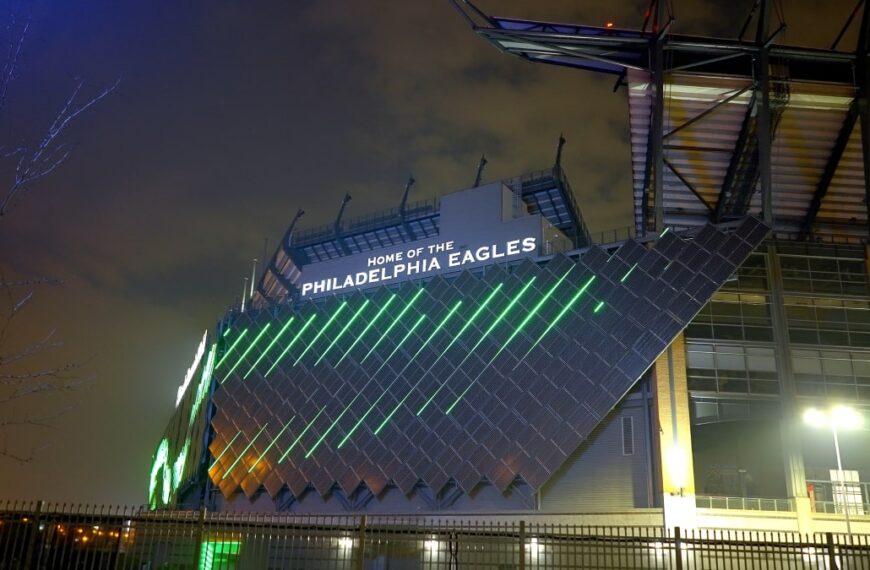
column 744, row 503
column 823, row 495
column 36, row 535
column 413, row 210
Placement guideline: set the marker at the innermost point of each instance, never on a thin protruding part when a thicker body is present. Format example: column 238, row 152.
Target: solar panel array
column 491, row 376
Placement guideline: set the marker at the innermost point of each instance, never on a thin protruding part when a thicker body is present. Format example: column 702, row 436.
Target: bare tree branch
column 12, row 58
column 50, row 153
column 29, row 374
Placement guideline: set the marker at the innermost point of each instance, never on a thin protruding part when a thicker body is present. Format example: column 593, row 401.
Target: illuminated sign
column 420, row 260
column 200, row 351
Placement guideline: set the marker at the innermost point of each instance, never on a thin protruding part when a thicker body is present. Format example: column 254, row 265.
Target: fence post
column 198, row 533
column 832, row 556
column 32, row 536
column 522, row 565
column 359, row 563
column 678, row 549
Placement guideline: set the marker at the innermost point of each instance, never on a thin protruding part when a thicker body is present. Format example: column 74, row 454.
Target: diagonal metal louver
column 493, row 376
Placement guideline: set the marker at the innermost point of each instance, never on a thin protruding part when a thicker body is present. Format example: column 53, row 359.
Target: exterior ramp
column 493, row 376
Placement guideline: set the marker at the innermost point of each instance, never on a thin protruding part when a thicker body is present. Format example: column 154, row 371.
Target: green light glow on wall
column 365, row 330
column 219, row 554
column 202, row 387
column 227, row 332
column 231, row 348
column 624, row 277
column 244, row 451
column 346, row 408
column 274, row 441
column 299, row 437
column 467, row 324
column 664, row 231
column 270, row 345
column 290, row 345
column 160, row 464
column 599, row 306
column 248, row 350
column 229, row 445
column 399, row 375
column 394, row 323
column 558, row 317
column 321, row 331
column 517, row 330
column 178, row 466
column 343, row 330
column 483, row 337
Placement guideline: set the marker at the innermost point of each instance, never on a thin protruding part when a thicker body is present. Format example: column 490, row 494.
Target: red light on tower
column 608, row 25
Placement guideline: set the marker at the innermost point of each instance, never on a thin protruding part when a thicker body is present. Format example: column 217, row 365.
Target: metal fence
column 37, row 536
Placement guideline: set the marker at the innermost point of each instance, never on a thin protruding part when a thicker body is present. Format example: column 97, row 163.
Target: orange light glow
column 608, row 25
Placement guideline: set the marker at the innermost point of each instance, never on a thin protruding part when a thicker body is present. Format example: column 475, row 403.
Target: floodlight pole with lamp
column 842, row 477
column 848, row 417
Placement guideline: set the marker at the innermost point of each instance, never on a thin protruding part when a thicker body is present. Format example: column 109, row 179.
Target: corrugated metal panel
column 805, row 135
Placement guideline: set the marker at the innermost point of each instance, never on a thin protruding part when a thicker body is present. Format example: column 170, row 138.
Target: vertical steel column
column 796, row 485
column 763, row 129
column 657, row 119
column 862, row 65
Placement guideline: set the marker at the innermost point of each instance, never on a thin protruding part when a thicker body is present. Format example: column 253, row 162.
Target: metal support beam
column 763, row 118
column 687, row 184
column 863, row 76
column 743, row 138
column 715, row 107
column 830, row 168
column 657, row 126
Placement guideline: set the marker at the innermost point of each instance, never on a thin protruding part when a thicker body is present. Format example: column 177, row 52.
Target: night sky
column 229, row 116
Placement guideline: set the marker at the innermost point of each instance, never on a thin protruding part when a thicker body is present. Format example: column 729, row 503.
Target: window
column 825, row 275
column 628, row 436
column 733, row 316
column 751, row 276
column 731, row 369
column 834, row 373
column 832, row 322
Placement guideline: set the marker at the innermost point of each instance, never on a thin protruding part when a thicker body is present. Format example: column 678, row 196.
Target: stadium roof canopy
column 735, row 117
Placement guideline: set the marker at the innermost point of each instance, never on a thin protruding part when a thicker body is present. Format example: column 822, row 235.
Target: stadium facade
column 482, row 353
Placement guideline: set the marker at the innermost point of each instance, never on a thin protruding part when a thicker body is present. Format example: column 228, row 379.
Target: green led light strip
column 517, row 330
column 244, row 451
column 230, row 444
column 290, row 345
column 483, row 337
column 270, row 345
column 664, row 232
column 343, row 330
column 247, row 351
column 393, row 324
column 399, row 375
column 624, row 277
column 299, row 437
column 561, row 314
column 227, row 332
column 274, row 441
column 599, row 306
column 322, row 330
column 341, row 415
column 231, row 348
column 365, row 330
column 468, row 323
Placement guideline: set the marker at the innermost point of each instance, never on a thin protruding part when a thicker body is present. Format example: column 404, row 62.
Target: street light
column 839, row 417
